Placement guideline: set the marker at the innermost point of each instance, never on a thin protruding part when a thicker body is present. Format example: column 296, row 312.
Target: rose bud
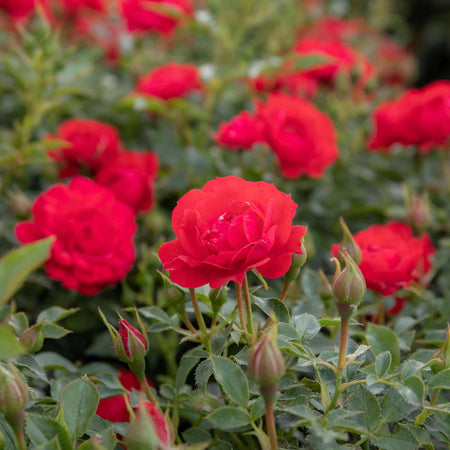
column 298, row 261
column 266, row 365
column 13, row 393
column 149, row 431
column 348, row 243
column 32, row 338
column 443, row 355
column 132, row 346
column 348, row 285
column 418, row 214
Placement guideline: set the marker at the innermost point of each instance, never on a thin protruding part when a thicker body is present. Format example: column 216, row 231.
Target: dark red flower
column 159, row 423
column 158, row 16
column 19, row 10
column 74, row 6
column 302, row 137
column 241, row 132
column 90, row 144
column 94, row 235
column 170, row 81
column 130, row 175
column 229, row 227
column 392, row 258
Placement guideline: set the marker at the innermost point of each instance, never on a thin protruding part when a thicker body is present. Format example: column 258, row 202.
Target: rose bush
column 228, row 227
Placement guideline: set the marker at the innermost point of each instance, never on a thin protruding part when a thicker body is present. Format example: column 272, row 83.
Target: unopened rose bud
column 32, row 338
column 130, row 344
column 349, row 285
column 266, row 365
column 298, row 261
column 13, row 393
column 149, row 430
column 348, row 244
column 131, row 347
column 443, row 355
column 418, row 213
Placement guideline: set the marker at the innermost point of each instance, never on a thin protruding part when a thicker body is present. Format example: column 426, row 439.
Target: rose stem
column 380, row 310
column 138, row 369
column 240, row 305
column 270, row 424
column 200, row 321
column 248, row 305
column 189, row 325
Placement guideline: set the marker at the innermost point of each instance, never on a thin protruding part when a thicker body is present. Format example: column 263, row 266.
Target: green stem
column 139, row 370
column 270, row 424
column 200, row 321
column 18, row 427
column 248, row 306
column 240, row 305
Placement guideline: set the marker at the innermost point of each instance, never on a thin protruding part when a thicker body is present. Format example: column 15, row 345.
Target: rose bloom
column 241, row 132
column 419, row 117
column 228, row 227
column 74, row 6
column 172, row 80
column 392, row 258
column 302, row 137
column 93, row 232
column 19, row 10
column 158, row 16
column 339, row 58
column 130, row 175
column 90, row 144
column 330, row 27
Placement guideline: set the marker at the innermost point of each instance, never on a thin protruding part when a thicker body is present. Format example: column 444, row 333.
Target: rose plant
column 188, row 297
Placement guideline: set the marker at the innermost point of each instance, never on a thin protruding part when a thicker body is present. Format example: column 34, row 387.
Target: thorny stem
column 270, row 424
column 240, row 305
column 248, row 305
column 200, row 321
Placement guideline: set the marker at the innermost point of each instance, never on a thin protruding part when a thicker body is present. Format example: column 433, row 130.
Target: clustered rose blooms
column 171, row 80
column 241, row 132
column 392, row 258
column 93, row 231
column 74, row 6
column 418, row 117
column 158, row 16
column 302, row 137
column 228, row 227
column 90, row 144
column 130, row 175
column 19, row 10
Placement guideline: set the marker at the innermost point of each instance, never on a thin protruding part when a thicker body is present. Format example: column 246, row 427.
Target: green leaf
column 232, row 380
column 8, row 435
column 9, row 343
column 153, row 312
column 394, row 407
column 54, row 331
column 55, row 314
column 187, row 363
column 203, row 373
column 363, row 400
column 41, row 429
column 32, row 365
column 273, row 305
column 16, row 265
column 401, row 440
column 441, row 380
column 382, row 363
column 417, row 387
column 307, row 326
column 330, row 322
column 19, row 322
column 381, row 339
column 257, row 409
column 50, row 445
column 50, row 360
column 79, row 401
column 228, row 418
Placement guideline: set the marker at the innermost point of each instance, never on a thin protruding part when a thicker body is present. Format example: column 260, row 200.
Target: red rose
column 74, row 6
column 170, row 81
column 418, row 117
column 241, row 132
column 291, row 82
column 159, row 423
column 392, row 257
column 330, row 27
column 339, row 57
column 130, row 176
column 19, row 9
column 302, row 137
column 229, row 227
column 159, row 16
column 114, row 408
column 90, row 144
column 94, row 235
